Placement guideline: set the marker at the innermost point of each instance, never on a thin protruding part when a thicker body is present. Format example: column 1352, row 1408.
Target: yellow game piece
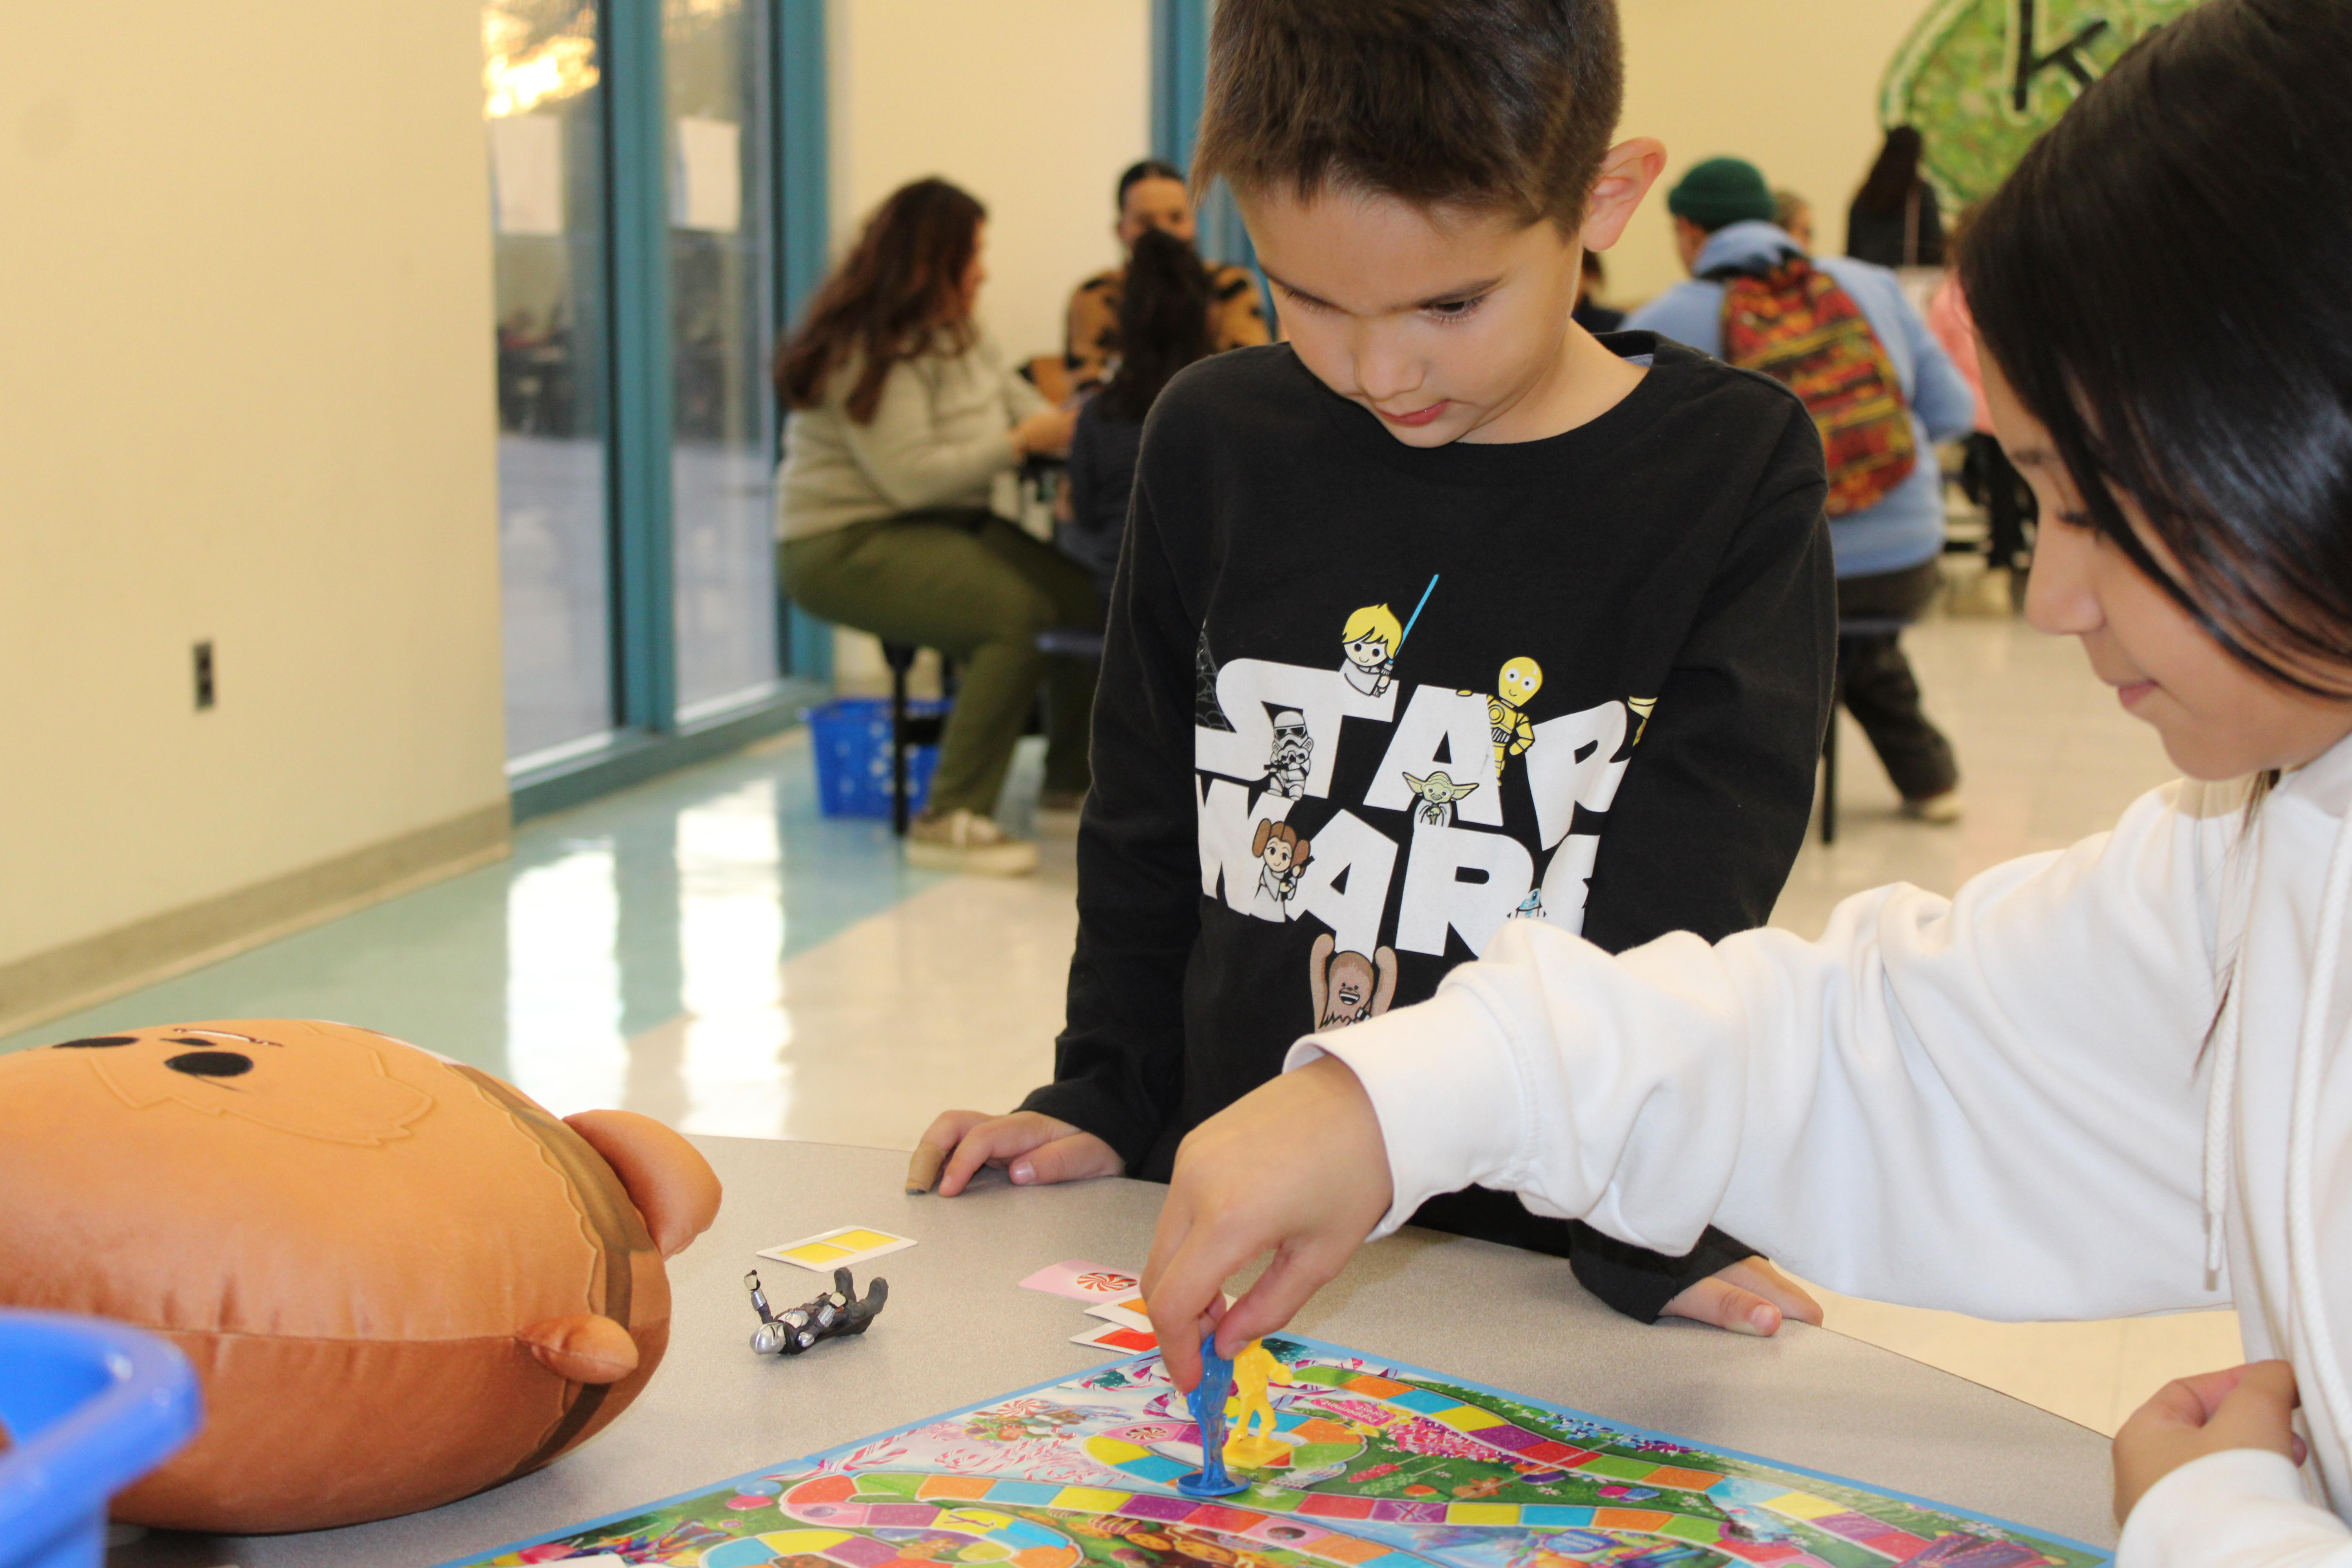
column 1254, row 1369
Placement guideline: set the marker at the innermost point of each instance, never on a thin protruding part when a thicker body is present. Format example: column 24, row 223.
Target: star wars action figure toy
column 837, row 1313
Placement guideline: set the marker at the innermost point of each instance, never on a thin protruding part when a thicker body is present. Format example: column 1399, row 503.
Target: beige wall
column 1035, row 106
column 245, row 296
column 1790, row 85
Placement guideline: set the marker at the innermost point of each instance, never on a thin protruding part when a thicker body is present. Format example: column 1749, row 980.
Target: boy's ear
column 1628, row 169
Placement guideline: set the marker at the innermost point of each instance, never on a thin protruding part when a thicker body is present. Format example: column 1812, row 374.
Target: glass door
column 545, row 109
column 716, row 58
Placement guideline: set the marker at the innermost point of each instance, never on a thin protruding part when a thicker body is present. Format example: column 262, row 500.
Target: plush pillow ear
column 583, row 1347
column 671, row 1184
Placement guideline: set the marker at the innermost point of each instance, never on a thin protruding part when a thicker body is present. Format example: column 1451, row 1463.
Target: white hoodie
column 1996, row 1104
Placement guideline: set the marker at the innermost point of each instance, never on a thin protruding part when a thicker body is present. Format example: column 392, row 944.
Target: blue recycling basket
column 851, row 738
column 91, row 1407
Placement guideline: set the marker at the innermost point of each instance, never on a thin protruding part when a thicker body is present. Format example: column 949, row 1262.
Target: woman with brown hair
column 900, row 415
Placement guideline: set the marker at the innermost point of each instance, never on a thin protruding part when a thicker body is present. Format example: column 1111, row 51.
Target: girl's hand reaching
column 2250, row 1406
column 1296, row 1167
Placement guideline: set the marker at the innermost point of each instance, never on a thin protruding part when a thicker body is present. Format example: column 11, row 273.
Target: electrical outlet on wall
column 206, row 692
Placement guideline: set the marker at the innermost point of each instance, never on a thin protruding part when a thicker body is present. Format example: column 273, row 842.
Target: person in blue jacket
column 1723, row 213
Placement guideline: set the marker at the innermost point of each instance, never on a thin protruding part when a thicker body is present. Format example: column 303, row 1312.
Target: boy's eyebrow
column 1445, row 296
column 2029, row 457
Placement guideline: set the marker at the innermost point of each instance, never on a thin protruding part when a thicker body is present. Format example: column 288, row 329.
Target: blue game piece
column 1208, row 1404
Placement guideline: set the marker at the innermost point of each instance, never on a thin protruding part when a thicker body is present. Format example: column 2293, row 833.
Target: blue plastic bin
column 91, row 1407
column 851, row 738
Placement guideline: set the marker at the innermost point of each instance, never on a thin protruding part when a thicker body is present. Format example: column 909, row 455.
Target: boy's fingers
column 998, row 1138
column 937, row 1143
column 1072, row 1159
column 1756, row 1274
column 948, row 1128
column 1717, row 1301
column 923, row 1168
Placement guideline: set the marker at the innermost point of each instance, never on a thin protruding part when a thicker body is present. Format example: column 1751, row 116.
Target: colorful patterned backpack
column 1796, row 326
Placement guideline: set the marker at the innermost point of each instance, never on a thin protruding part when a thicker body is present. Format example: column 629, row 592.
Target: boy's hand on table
column 1034, row 1150
column 2250, row 1406
column 1748, row 1298
column 1297, row 1167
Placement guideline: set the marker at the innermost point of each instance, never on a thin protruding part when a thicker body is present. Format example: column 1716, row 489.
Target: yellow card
column 849, row 1247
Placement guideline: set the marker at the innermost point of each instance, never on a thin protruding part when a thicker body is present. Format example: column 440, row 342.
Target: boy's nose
column 1384, row 373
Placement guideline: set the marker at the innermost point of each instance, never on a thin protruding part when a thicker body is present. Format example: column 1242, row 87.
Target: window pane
column 715, row 59
column 545, row 113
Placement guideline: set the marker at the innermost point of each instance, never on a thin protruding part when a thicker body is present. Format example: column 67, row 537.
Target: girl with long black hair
column 2107, row 1080
column 1895, row 220
column 1163, row 326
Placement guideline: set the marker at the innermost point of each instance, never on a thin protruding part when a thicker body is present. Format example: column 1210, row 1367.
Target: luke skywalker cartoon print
column 1369, row 642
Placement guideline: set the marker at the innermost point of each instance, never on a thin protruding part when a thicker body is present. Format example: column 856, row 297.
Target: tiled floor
column 710, row 951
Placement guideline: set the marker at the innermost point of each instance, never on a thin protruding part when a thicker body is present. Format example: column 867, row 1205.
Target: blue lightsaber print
column 1425, row 593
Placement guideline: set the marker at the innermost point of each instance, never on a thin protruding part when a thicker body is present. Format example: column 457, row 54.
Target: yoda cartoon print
column 1349, row 987
column 1437, row 794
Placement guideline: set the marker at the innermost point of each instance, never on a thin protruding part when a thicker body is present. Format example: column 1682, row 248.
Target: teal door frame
column 804, row 225
column 649, row 741
column 636, row 155
column 1180, row 81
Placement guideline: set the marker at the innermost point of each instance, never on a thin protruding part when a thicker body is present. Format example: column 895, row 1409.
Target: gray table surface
column 959, row 1331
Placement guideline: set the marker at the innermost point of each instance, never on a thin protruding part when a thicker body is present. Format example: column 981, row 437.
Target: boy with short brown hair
column 1507, row 621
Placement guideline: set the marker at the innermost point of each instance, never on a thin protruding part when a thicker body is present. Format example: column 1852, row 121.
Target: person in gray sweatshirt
column 900, row 416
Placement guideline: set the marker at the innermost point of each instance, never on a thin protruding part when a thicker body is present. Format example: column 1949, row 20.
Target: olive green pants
column 978, row 590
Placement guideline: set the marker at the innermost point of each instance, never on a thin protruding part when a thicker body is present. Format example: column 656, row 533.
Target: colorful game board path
column 1014, row 1484
column 837, row 1504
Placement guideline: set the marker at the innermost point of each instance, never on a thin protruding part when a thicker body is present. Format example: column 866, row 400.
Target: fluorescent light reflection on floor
column 730, row 945
column 564, row 1045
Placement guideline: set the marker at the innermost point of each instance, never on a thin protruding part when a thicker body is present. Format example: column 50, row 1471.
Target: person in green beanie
column 1886, row 552
column 1716, row 194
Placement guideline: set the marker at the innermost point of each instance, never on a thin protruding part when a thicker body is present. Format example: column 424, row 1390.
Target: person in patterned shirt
column 1151, row 194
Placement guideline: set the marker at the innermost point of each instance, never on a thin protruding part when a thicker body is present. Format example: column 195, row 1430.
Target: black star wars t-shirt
column 1361, row 704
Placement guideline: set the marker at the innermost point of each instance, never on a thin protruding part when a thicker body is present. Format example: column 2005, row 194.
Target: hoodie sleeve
column 1118, row 1063
column 1990, row 1104
column 2242, row 1508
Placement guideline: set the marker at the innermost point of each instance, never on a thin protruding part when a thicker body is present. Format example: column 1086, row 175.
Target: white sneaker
column 962, row 840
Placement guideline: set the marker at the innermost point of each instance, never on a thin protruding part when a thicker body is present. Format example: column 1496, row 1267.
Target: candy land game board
column 1385, row 1466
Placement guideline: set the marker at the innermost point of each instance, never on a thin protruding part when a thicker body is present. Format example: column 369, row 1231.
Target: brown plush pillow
column 400, row 1279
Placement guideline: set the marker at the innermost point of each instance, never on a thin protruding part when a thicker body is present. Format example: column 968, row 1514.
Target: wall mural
column 1982, row 78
